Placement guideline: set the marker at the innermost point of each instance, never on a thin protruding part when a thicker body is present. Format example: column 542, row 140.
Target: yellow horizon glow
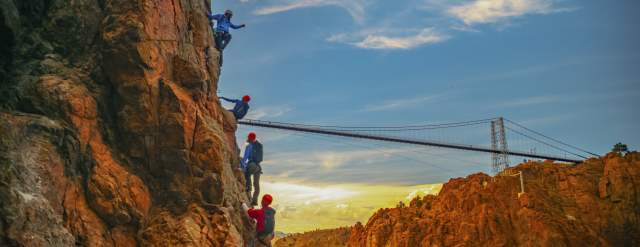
column 303, row 207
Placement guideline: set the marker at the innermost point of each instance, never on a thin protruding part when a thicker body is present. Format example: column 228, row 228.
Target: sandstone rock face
column 110, row 130
column 325, row 238
column 595, row 203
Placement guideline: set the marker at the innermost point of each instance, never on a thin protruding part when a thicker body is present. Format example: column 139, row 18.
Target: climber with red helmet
column 223, row 23
column 265, row 220
column 250, row 165
column 241, row 106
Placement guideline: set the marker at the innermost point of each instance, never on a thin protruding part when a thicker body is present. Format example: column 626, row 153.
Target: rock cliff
column 596, row 203
column 110, row 130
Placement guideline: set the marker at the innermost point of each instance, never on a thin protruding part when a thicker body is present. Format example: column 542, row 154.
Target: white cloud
column 268, row 111
column 440, row 19
column 356, row 8
column 400, row 103
column 431, row 189
column 425, row 36
column 389, row 38
column 491, row 11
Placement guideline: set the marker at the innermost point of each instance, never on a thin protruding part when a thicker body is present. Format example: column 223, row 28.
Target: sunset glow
column 303, row 207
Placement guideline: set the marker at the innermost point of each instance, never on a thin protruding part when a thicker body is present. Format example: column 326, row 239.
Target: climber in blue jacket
column 223, row 23
column 241, row 106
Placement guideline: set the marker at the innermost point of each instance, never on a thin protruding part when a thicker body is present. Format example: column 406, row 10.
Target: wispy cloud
column 445, row 18
column 530, row 101
column 266, row 137
column 356, row 8
column 268, row 112
column 380, row 39
column 329, row 160
column 367, row 164
column 400, row 103
column 491, row 11
column 547, row 120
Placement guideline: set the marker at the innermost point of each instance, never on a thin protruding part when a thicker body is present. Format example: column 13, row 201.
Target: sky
column 567, row 68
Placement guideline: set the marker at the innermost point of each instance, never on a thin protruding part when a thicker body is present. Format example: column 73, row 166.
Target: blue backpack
column 256, row 154
column 240, row 110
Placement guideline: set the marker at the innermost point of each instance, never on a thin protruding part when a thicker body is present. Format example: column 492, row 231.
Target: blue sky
column 569, row 69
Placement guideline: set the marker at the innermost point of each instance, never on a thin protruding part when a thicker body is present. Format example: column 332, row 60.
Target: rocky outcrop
column 325, row 238
column 595, row 203
column 110, row 130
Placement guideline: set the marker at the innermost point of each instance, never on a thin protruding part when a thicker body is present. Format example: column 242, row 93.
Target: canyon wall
column 595, row 203
column 111, row 133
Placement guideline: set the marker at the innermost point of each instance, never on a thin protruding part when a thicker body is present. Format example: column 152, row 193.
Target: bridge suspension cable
column 390, row 128
column 551, row 139
column 355, row 132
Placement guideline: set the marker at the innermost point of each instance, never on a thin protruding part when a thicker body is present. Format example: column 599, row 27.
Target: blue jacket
column 223, row 23
column 244, row 162
column 240, row 109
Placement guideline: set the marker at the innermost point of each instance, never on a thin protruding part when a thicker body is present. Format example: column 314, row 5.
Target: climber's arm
column 236, row 26
column 229, row 100
column 245, row 159
column 214, row 17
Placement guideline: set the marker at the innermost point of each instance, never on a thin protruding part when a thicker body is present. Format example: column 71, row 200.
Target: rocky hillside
column 326, row 238
column 596, row 203
column 110, row 130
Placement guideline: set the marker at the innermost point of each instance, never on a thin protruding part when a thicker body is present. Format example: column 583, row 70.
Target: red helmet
column 251, row 136
column 266, row 200
column 246, row 98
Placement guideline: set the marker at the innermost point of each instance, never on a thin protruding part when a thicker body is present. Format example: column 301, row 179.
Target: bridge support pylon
column 500, row 161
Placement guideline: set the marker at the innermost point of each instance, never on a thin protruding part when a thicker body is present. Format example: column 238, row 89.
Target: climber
column 265, row 220
column 250, row 165
column 241, row 106
column 223, row 23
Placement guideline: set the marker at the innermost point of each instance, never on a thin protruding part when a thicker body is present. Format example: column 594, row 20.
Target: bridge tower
column 499, row 142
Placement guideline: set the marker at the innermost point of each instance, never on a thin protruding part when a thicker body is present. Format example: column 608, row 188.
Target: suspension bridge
column 523, row 141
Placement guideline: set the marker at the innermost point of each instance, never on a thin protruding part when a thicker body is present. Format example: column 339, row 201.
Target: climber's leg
column 264, row 240
column 256, row 188
column 247, row 179
column 217, row 37
column 226, row 38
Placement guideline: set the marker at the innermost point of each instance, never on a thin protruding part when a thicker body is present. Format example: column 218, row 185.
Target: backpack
column 241, row 110
column 256, row 154
column 269, row 221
